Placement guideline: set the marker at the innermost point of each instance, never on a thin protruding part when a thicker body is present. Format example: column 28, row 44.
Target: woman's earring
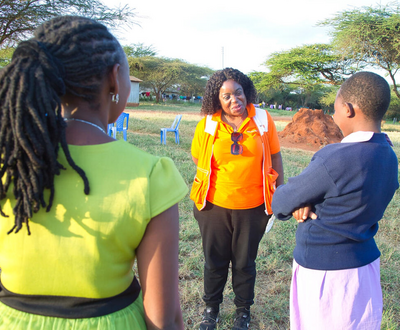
column 115, row 98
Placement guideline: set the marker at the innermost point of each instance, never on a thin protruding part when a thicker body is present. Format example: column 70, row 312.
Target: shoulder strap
column 211, row 125
column 261, row 120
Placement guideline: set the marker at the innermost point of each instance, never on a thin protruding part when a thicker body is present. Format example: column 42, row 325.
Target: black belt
column 70, row 307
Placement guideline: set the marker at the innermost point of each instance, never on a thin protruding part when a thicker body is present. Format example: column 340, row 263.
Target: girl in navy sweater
column 338, row 200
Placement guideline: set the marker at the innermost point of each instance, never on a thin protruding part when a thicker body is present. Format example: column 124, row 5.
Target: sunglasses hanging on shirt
column 236, row 148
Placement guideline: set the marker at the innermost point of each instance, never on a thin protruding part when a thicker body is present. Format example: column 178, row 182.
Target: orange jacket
column 201, row 181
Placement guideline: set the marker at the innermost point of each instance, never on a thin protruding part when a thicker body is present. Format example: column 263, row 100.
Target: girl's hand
column 303, row 213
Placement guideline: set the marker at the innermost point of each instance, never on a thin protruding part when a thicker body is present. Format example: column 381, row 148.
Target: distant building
column 133, row 99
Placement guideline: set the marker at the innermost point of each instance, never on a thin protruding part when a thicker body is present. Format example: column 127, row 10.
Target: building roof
column 134, row 79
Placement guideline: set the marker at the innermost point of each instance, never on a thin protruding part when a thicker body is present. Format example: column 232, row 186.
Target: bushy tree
column 6, row 55
column 308, row 65
column 19, row 18
column 394, row 108
column 310, row 95
column 193, row 79
column 285, row 95
column 159, row 73
column 328, row 99
column 370, row 36
column 306, row 71
column 139, row 50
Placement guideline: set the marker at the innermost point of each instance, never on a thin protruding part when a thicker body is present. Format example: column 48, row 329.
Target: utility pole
column 222, row 57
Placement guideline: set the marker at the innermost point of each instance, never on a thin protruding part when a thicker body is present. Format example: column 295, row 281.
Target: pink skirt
column 345, row 299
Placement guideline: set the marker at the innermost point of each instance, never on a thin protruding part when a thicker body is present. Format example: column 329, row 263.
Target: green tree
column 18, row 18
column 285, row 95
column 307, row 65
column 293, row 95
column 310, row 95
column 306, row 71
column 370, row 36
column 159, row 73
column 5, row 55
column 193, row 79
column 394, row 108
column 328, row 99
column 139, row 50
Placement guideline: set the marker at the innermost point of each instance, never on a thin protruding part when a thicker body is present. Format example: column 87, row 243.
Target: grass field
column 271, row 308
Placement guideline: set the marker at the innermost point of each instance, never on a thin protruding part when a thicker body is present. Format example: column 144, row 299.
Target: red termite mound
column 312, row 128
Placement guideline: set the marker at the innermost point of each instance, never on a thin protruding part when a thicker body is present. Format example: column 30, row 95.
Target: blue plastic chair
column 119, row 125
column 109, row 129
column 174, row 128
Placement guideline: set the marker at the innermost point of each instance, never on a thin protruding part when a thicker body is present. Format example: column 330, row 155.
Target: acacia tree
column 5, row 55
column 329, row 98
column 19, row 18
column 160, row 73
column 156, row 73
column 370, row 36
column 304, row 70
column 139, row 50
column 308, row 65
column 193, row 79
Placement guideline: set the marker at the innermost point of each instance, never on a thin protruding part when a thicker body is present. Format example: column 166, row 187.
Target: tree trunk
column 394, row 84
column 157, row 93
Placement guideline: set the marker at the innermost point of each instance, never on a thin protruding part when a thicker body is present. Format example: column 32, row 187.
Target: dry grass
column 271, row 308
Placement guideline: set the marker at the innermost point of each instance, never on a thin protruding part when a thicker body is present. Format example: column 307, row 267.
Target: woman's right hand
column 157, row 260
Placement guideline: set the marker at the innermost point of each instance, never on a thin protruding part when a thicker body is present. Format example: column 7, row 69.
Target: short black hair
column 211, row 102
column 369, row 91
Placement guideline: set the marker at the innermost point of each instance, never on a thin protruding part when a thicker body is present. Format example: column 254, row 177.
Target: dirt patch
column 281, row 118
column 310, row 130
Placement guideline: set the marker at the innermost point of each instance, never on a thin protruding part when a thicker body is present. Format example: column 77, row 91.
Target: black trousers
column 230, row 236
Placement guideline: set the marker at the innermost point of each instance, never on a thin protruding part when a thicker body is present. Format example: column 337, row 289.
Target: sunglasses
column 236, row 148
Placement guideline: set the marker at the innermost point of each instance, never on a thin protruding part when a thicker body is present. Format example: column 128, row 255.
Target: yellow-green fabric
column 85, row 246
column 129, row 318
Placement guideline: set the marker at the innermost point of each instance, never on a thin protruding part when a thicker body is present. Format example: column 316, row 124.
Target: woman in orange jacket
column 239, row 165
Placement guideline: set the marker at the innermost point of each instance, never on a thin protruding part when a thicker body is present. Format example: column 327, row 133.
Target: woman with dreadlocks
column 77, row 207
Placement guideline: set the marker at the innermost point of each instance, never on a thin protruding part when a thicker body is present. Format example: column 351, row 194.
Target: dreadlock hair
column 369, row 91
column 67, row 55
column 211, row 103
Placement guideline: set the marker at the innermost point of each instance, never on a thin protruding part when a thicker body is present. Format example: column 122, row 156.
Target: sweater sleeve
column 310, row 187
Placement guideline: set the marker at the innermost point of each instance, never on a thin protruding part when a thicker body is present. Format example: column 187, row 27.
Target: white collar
column 359, row 136
column 362, row 136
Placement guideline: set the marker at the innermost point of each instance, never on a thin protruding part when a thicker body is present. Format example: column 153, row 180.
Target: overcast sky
column 239, row 34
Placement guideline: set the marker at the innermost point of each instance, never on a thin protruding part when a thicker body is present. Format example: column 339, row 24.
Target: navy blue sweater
column 350, row 186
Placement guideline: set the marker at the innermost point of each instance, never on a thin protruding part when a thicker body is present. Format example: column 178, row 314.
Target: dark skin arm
column 278, row 166
column 157, row 260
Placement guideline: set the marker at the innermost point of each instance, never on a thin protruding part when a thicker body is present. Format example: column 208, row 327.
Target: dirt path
column 302, row 146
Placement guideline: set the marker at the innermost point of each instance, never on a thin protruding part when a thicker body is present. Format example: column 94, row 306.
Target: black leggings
column 230, row 236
